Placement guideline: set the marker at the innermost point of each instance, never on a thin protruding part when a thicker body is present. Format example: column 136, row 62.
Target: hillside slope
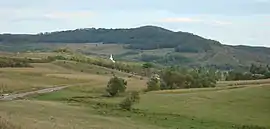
column 185, row 48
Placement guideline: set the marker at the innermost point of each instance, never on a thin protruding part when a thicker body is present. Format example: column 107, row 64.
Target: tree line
column 21, row 62
column 254, row 72
column 176, row 78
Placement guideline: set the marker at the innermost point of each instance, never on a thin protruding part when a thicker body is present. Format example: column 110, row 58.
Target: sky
column 234, row 22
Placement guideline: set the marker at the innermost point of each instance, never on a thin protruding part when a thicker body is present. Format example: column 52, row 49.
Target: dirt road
column 8, row 97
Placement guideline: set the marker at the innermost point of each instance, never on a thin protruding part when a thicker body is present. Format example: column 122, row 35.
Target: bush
column 116, row 85
column 131, row 99
column 154, row 83
column 126, row 104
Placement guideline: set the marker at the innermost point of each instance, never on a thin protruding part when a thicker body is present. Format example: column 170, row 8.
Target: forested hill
column 146, row 37
column 184, row 48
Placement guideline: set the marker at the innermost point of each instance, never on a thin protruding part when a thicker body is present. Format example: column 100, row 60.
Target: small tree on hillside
column 116, row 85
column 153, row 83
column 131, row 99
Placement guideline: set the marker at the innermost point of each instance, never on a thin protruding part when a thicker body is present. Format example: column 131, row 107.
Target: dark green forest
column 147, row 37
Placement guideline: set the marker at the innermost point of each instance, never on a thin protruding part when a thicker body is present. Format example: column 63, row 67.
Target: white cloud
column 171, row 20
column 69, row 15
column 194, row 20
column 222, row 22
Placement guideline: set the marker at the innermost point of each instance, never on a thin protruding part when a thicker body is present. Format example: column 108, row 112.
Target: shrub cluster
column 254, row 73
column 130, row 100
column 14, row 62
column 174, row 78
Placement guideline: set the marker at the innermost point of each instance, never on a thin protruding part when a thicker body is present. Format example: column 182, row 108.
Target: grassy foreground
column 231, row 105
column 84, row 107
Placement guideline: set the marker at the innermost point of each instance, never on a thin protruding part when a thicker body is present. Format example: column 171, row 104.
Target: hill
column 146, row 37
column 178, row 48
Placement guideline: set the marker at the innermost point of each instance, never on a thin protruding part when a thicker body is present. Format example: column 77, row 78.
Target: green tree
column 147, row 68
column 147, row 65
column 175, row 78
column 116, row 85
column 154, row 83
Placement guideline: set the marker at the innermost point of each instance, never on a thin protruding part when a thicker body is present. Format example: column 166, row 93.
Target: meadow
column 230, row 105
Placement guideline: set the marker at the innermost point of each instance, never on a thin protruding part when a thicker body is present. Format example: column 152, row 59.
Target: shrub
column 130, row 100
column 135, row 96
column 154, row 83
column 126, row 104
column 116, row 85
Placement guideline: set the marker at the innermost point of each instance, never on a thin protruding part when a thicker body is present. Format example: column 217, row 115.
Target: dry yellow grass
column 44, row 75
column 135, row 84
column 196, row 90
column 25, row 79
column 80, row 76
column 4, row 124
column 243, row 82
column 36, row 54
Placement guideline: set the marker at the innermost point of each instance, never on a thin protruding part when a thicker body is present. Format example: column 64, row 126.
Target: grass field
column 200, row 109
column 25, row 79
column 45, row 113
column 248, row 106
column 230, row 105
column 216, row 109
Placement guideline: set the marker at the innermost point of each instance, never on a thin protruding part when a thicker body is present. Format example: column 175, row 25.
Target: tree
column 131, row 99
column 147, row 67
column 154, row 83
column 252, row 69
column 116, row 85
column 175, row 78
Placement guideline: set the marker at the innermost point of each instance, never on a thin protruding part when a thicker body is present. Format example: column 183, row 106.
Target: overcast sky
column 245, row 22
